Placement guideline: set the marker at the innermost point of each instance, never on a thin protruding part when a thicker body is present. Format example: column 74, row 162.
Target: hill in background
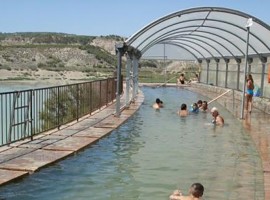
column 65, row 56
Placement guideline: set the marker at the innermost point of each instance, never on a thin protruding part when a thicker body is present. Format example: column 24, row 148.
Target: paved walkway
column 25, row 157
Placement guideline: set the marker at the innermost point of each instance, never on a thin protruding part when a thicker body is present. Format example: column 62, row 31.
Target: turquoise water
column 152, row 154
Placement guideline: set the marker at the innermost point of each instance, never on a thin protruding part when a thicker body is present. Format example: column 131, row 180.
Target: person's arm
column 176, row 195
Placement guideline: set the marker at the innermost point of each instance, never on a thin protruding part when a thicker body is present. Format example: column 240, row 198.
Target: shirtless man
column 195, row 193
column 204, row 107
column 158, row 104
column 183, row 112
column 181, row 79
column 217, row 119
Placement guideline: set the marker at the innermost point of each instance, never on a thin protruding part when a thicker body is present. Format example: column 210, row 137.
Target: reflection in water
column 151, row 155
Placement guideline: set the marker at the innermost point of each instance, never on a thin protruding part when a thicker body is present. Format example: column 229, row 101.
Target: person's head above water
column 196, row 190
column 158, row 100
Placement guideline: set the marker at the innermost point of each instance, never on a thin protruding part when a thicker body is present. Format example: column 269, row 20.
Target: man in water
column 195, row 193
column 158, row 104
column 217, row 119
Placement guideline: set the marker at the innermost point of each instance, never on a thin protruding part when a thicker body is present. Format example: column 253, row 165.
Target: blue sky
column 106, row 17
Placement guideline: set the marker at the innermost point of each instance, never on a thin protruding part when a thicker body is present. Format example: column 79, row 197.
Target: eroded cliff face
column 48, row 55
column 32, row 53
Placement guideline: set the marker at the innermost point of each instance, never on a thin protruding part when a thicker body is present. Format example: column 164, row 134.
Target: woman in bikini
column 249, row 92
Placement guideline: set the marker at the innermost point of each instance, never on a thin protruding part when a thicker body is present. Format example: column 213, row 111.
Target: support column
column 217, row 66
column 200, row 68
column 264, row 61
column 135, row 77
column 207, row 73
column 226, row 72
column 238, row 73
column 120, row 50
column 250, row 60
column 128, row 78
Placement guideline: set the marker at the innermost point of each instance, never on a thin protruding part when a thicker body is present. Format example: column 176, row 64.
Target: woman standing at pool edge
column 249, row 92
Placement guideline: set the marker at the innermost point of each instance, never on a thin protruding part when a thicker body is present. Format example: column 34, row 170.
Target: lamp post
column 248, row 25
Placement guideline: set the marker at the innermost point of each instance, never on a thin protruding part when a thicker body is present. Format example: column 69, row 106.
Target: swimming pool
column 152, row 154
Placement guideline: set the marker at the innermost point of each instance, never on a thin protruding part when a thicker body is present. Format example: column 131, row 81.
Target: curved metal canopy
column 203, row 33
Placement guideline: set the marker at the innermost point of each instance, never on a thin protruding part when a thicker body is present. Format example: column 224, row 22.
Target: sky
column 106, row 17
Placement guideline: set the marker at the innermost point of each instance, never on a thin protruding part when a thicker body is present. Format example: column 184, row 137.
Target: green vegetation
column 67, row 52
column 68, row 104
column 49, row 38
column 100, row 54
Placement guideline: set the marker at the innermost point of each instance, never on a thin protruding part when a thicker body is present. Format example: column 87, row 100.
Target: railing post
column 91, row 99
column 32, row 93
column 58, row 110
column 107, row 91
column 78, row 101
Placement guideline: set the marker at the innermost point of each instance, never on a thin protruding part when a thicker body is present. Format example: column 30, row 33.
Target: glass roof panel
column 205, row 32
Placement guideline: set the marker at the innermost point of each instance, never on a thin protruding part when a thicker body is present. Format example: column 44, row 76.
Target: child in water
column 194, row 108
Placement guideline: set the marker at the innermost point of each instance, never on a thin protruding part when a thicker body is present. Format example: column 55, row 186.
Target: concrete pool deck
column 24, row 157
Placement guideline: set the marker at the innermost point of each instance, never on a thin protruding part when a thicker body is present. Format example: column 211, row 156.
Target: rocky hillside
column 32, row 52
column 30, row 55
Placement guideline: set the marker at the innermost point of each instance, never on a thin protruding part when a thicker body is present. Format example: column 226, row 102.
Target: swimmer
column 194, row 108
column 199, row 103
column 217, row 119
column 204, row 107
column 195, row 193
column 158, row 104
column 183, row 110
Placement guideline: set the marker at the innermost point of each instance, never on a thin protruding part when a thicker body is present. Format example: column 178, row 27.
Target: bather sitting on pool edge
column 195, row 193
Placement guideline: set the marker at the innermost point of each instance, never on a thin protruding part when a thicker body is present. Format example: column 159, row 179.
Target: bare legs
column 248, row 102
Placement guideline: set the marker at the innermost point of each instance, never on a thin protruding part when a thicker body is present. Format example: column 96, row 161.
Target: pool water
column 152, row 154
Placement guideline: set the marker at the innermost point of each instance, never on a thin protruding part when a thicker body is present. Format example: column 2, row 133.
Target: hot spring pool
column 152, row 154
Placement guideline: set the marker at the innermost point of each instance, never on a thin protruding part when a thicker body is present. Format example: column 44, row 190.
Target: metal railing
column 26, row 113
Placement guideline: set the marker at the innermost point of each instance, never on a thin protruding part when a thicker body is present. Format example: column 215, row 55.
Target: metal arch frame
column 220, row 37
column 194, row 10
column 190, row 36
column 179, row 45
column 173, row 44
column 154, row 42
column 210, row 39
column 223, row 30
column 209, row 10
column 200, row 31
column 204, row 42
column 255, row 36
column 198, row 45
column 162, row 42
